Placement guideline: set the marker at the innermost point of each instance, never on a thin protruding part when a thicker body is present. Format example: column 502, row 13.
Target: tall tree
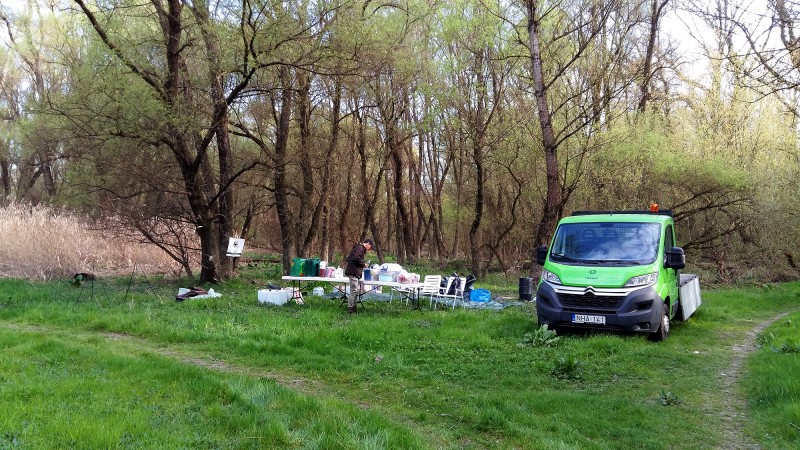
column 193, row 127
column 10, row 116
column 27, row 35
column 552, row 200
column 769, row 59
column 567, row 61
column 481, row 71
column 656, row 12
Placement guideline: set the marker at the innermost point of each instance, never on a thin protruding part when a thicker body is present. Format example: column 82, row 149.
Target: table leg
column 360, row 294
column 296, row 294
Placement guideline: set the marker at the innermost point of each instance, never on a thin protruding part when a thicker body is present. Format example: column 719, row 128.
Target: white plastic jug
column 318, row 291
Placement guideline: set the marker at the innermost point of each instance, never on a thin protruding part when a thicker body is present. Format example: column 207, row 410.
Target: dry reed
column 40, row 242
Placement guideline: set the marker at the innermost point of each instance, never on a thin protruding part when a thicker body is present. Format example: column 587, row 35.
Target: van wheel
column 663, row 328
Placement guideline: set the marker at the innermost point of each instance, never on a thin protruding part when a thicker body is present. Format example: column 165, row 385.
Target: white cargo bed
column 690, row 294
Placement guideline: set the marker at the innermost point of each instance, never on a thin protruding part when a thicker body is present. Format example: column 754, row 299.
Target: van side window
column 669, row 238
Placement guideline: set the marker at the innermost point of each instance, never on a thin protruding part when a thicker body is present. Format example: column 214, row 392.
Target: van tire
column 663, row 327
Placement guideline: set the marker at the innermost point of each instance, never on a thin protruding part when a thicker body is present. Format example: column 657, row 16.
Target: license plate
column 583, row 318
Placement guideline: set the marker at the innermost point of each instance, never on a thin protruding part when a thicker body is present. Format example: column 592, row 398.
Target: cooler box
column 273, row 296
column 388, row 276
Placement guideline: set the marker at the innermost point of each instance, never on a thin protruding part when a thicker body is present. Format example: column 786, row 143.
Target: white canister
column 318, row 291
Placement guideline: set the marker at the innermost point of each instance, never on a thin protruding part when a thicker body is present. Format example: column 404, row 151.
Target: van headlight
column 550, row 277
column 643, row 280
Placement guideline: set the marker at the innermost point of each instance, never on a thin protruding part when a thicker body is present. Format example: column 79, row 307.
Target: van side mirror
column 541, row 254
column 675, row 259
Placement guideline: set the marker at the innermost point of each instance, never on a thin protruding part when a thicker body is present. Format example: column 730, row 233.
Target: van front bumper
column 626, row 309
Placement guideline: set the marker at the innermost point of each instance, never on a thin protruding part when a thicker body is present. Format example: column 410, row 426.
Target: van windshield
column 622, row 243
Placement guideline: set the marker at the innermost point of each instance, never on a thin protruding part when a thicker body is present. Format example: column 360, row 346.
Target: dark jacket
column 355, row 261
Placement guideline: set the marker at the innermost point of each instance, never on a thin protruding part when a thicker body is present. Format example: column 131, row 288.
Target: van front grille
column 590, row 301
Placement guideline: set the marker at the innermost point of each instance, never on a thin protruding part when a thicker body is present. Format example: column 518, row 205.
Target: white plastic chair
column 457, row 297
column 461, row 292
column 430, row 287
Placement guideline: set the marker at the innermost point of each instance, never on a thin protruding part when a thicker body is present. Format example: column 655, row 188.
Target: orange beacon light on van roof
column 653, row 207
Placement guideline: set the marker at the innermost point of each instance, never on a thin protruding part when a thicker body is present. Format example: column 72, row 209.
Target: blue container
column 367, row 274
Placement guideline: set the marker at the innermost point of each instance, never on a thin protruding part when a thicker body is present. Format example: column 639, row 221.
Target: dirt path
column 132, row 344
column 734, row 405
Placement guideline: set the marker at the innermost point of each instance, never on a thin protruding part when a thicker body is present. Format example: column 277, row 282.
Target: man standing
column 354, row 270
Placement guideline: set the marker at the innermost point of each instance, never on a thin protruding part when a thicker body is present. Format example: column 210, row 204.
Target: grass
column 129, row 367
column 773, row 387
column 99, row 398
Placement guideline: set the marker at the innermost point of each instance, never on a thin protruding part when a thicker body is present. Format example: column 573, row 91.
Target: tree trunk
column 324, row 203
column 399, row 191
column 281, row 187
column 363, row 185
column 474, row 244
column 47, row 176
column 209, row 248
column 552, row 200
column 226, row 200
column 5, row 177
column 647, row 71
column 305, row 229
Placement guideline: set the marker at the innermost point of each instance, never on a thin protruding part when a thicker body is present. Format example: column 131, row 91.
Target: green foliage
column 567, row 367
column 669, row 398
column 765, row 339
column 725, row 157
column 772, row 385
column 541, row 337
column 790, row 346
column 260, row 268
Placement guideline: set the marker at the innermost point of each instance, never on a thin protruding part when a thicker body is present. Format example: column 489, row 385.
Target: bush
column 542, row 337
column 567, row 367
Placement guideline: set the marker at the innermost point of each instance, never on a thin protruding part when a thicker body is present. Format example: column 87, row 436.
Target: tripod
column 80, row 279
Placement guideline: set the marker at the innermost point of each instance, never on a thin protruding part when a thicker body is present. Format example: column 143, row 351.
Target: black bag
column 468, row 282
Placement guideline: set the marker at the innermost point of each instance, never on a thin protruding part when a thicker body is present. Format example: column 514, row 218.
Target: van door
column 670, row 275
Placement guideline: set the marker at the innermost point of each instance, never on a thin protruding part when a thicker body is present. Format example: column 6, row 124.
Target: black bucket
column 526, row 289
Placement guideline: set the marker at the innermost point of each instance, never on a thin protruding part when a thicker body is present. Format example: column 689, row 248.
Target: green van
column 615, row 270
